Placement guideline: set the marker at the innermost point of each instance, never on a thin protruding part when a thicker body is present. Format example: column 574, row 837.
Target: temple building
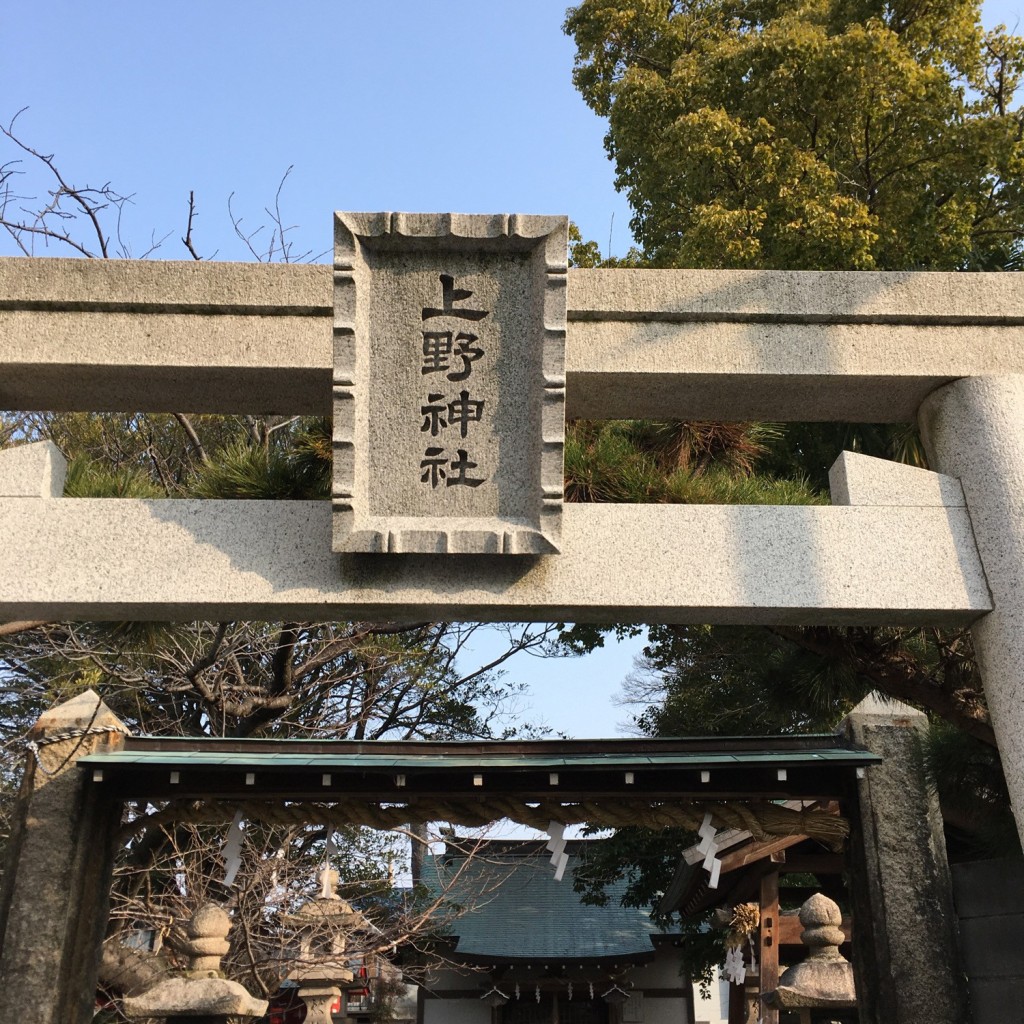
column 526, row 950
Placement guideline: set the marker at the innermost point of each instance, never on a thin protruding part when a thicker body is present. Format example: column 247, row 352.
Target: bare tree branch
column 91, row 201
column 187, row 240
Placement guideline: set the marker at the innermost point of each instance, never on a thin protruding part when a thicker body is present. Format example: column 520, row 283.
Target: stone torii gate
column 474, row 326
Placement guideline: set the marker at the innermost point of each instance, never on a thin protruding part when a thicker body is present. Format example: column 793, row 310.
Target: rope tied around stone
column 68, row 734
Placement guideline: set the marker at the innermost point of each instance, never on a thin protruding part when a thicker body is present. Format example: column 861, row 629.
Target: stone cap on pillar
column 877, row 709
column 81, row 715
column 195, row 997
column 203, row 992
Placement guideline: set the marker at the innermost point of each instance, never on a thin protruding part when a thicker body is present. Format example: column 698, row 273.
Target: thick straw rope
column 761, row 819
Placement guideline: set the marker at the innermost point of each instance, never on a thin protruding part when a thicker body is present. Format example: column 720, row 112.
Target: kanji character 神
column 464, row 410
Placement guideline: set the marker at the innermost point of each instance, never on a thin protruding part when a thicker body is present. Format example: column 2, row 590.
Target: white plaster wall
column 456, row 1011
column 663, row 972
column 470, row 1010
column 714, row 1009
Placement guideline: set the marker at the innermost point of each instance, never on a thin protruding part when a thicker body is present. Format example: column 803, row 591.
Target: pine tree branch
column 190, row 432
column 893, row 671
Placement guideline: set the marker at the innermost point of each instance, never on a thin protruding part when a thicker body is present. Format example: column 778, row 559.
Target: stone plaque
column 449, row 383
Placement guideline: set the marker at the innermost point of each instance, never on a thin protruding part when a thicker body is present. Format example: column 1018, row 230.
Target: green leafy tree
column 809, row 134
column 799, row 135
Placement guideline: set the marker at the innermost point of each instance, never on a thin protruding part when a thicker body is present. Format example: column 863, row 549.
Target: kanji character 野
column 437, row 350
column 467, row 352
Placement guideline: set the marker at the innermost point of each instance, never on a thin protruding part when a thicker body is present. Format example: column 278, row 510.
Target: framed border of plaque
column 449, row 383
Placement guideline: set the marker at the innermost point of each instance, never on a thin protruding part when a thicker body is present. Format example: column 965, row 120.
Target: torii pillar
column 973, row 429
column 55, row 892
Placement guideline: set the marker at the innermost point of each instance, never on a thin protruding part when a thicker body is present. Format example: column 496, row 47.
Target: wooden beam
column 724, row 840
column 758, row 851
column 737, row 1004
column 815, row 863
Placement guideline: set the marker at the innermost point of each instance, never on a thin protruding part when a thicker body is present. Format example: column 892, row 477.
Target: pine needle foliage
column 637, row 461
column 88, row 479
column 293, row 466
column 968, row 777
column 733, row 680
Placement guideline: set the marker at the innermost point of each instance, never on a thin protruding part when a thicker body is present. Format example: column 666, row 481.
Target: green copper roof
column 774, row 767
column 521, row 913
column 389, row 762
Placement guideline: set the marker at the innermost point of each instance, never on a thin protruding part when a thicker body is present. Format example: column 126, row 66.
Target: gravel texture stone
column 449, row 383
column 974, row 429
column 856, row 479
column 35, row 470
column 905, row 940
column 232, row 337
column 53, row 903
column 170, row 559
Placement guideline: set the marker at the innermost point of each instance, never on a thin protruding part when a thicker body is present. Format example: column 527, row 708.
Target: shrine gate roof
column 707, row 768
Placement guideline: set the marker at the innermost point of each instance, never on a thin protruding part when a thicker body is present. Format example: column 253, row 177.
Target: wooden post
column 737, row 1004
column 768, row 951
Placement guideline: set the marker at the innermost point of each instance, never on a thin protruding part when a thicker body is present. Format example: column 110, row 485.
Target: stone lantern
column 203, row 995
column 821, row 987
column 322, row 926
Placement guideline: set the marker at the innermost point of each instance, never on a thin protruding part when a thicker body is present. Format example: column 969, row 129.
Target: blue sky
column 414, row 104
column 432, row 105
column 456, row 105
